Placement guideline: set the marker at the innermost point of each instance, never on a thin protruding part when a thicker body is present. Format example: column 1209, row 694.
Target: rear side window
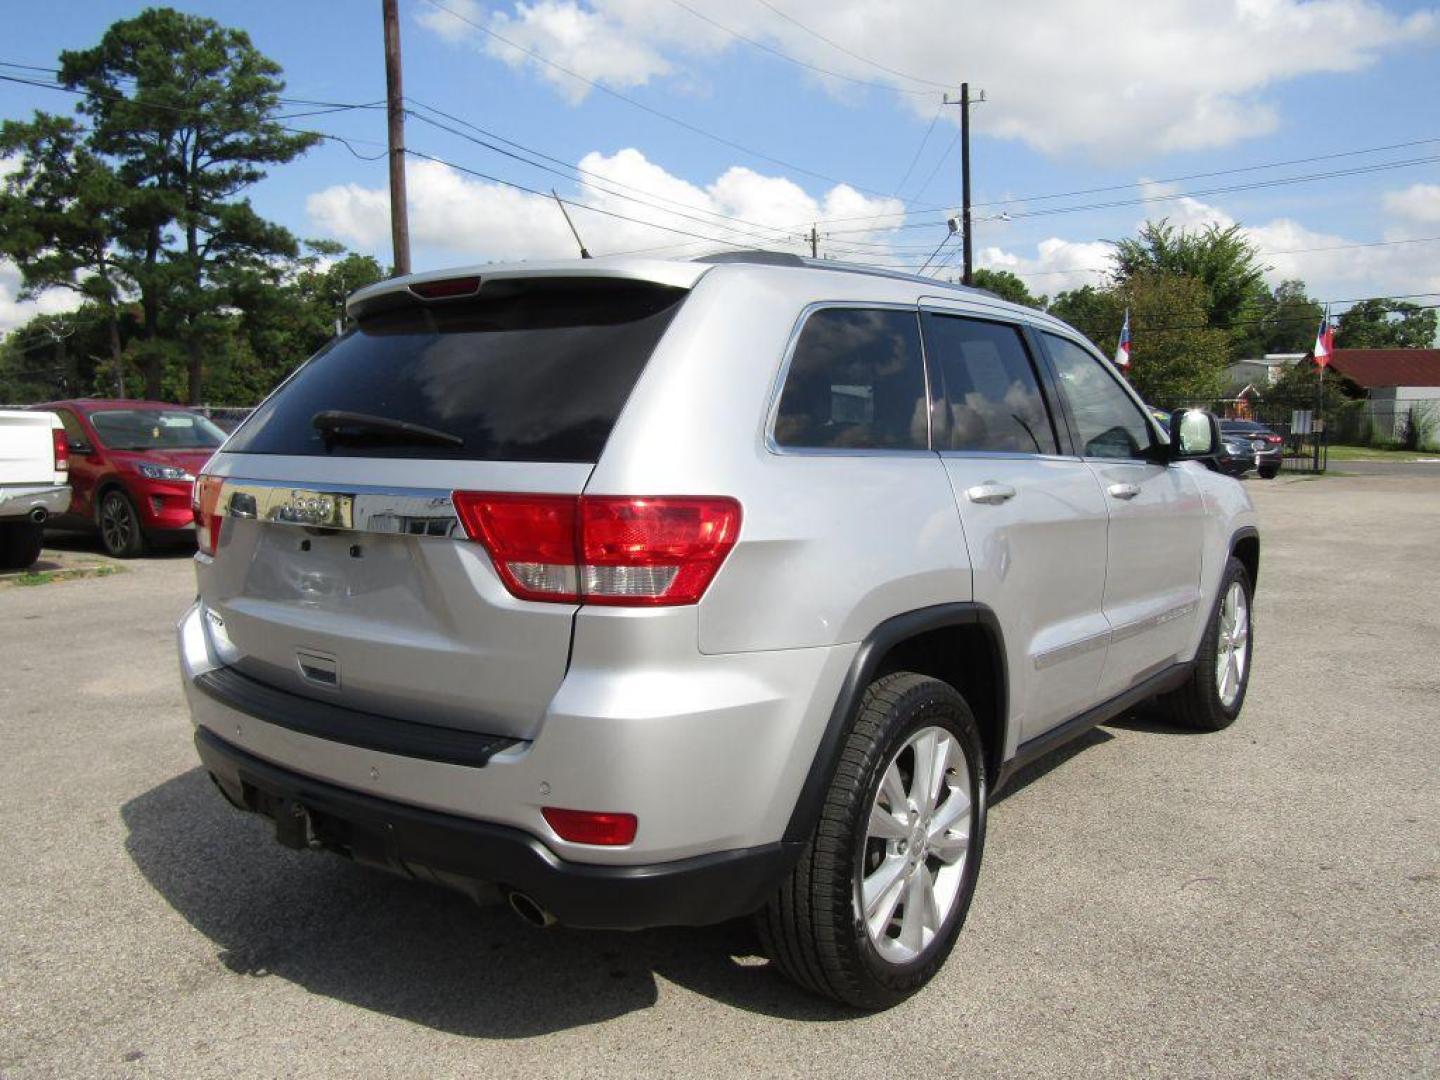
column 856, row 382
column 992, row 395
column 530, row 370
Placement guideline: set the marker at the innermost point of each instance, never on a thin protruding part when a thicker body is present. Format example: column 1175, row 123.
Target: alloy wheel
column 117, row 523
column 1232, row 651
column 916, row 844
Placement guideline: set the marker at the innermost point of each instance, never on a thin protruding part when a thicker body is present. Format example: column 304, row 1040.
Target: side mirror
column 1194, row 433
column 84, row 449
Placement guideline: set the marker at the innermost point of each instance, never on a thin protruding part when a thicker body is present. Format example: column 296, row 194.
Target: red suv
column 132, row 467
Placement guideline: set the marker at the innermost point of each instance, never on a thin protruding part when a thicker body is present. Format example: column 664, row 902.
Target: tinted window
column 155, row 429
column 856, row 381
column 1109, row 423
column 992, row 396
column 531, row 370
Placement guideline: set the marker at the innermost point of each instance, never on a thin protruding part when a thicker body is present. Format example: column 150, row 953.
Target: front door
column 1034, row 520
column 1152, row 581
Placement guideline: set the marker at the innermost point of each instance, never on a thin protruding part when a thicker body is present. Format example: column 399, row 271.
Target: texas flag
column 1324, row 342
column 1122, row 351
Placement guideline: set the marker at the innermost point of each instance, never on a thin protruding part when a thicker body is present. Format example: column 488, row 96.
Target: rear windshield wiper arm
column 336, row 424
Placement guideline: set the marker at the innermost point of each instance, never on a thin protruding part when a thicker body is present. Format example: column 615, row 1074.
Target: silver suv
column 655, row 593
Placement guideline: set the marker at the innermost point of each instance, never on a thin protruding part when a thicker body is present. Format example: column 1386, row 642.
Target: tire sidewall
column 137, row 540
column 939, row 707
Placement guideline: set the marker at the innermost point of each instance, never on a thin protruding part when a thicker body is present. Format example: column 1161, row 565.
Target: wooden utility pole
column 965, row 239
column 395, row 111
column 814, row 243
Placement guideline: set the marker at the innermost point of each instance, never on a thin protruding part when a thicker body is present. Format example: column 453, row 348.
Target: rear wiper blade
column 337, row 424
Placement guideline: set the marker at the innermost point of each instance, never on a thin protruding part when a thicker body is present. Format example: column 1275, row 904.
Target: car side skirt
column 1162, row 682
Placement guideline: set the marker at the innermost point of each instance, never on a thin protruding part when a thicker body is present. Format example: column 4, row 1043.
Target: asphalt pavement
column 1265, row 900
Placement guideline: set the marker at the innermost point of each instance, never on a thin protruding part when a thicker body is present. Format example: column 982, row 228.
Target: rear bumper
column 459, row 852
column 18, row 502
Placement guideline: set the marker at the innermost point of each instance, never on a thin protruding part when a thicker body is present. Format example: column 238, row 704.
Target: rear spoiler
column 444, row 286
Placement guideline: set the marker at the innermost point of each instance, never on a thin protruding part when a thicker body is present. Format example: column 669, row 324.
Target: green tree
column 1284, row 320
column 184, row 109
column 1005, row 285
column 1097, row 313
column 61, row 211
column 1223, row 260
column 1175, row 356
column 1386, row 324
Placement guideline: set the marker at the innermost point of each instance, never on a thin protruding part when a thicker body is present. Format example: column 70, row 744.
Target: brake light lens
column 602, row 549
column 446, row 288
column 591, row 826
column 205, row 507
column 62, row 449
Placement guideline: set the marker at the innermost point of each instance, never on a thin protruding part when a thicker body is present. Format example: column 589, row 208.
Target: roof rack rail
column 754, row 255
column 761, row 257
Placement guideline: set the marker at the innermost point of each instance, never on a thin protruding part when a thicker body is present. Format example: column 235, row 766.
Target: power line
column 776, row 232
column 1172, row 197
column 795, row 60
column 863, row 59
column 694, row 128
column 1170, row 179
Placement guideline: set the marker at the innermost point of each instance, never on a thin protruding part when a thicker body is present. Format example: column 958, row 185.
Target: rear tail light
column 62, row 449
column 591, row 826
column 205, row 506
column 1273, row 439
column 602, row 549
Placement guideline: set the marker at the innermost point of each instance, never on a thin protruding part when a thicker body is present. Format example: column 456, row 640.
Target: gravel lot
column 1265, row 900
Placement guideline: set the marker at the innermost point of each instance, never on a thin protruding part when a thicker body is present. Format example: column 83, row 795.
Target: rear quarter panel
column 831, row 544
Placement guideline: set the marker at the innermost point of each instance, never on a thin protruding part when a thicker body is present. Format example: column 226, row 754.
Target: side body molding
column 872, row 650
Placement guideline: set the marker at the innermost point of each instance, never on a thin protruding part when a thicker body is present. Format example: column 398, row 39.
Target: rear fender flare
column 877, row 644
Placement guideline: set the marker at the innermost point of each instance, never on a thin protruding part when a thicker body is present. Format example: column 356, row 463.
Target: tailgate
column 370, row 596
column 340, row 570
column 27, row 449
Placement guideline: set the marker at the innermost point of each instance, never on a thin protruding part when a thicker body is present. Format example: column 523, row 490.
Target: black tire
column 1197, row 704
column 811, row 928
column 20, row 544
column 1269, row 473
column 120, row 531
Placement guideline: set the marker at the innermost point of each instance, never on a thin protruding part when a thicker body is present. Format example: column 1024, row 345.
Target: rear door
column 341, row 572
column 1152, row 580
column 1034, row 520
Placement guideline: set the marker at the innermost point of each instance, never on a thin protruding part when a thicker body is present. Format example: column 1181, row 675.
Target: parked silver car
column 656, row 592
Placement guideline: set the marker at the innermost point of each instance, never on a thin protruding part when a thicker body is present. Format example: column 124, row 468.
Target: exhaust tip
column 38, row 515
column 529, row 910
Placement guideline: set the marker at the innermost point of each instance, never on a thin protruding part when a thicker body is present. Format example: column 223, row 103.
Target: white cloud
column 451, row 27
column 1418, row 202
column 1332, row 265
column 1105, row 76
column 15, row 312
column 456, row 218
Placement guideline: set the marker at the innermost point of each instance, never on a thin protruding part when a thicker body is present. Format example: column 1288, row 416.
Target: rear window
column 530, row 370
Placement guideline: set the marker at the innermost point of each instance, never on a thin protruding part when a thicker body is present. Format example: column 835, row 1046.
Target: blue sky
column 1082, row 94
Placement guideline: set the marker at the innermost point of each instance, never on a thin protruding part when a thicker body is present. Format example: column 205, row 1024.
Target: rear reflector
column 447, row 288
column 62, row 449
column 591, row 826
column 602, row 549
column 204, row 506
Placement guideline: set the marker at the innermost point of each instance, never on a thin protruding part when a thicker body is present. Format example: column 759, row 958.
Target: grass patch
column 42, row 578
column 1371, row 453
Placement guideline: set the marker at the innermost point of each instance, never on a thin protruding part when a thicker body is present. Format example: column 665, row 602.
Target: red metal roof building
column 1373, row 368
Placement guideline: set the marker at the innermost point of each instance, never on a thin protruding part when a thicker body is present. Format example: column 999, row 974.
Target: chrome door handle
column 990, row 493
column 1123, row 491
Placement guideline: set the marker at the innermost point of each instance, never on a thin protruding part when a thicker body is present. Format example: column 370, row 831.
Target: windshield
column 155, row 429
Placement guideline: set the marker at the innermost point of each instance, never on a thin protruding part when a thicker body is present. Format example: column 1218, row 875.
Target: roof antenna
column 561, row 203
